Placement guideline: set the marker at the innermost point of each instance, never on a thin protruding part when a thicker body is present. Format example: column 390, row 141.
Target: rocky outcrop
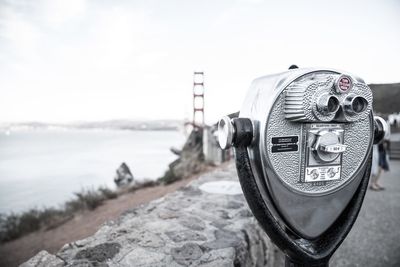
column 123, row 175
column 190, row 161
column 204, row 224
column 386, row 98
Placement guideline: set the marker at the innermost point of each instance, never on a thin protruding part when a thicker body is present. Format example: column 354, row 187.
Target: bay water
column 43, row 168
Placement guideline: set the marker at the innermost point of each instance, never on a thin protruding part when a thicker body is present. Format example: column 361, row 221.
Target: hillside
column 386, row 97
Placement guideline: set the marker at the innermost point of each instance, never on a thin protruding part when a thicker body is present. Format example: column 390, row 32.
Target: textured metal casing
column 306, row 208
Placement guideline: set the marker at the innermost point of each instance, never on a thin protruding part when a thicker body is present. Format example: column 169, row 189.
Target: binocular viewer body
column 303, row 144
column 291, row 139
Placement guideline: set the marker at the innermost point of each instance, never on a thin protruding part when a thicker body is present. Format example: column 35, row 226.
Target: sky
column 85, row 60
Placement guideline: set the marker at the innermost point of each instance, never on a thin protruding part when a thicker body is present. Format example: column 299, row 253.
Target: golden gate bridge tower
column 198, row 100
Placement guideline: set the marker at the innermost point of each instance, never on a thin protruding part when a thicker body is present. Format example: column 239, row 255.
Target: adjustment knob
column 234, row 132
column 381, row 129
column 226, row 131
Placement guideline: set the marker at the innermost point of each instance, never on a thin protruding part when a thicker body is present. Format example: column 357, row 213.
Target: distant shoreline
column 131, row 125
column 56, row 128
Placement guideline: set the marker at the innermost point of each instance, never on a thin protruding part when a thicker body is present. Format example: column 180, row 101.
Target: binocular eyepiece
column 355, row 104
column 328, row 104
column 327, row 101
column 303, row 145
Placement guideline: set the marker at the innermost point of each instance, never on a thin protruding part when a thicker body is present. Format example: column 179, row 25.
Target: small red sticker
column 344, row 84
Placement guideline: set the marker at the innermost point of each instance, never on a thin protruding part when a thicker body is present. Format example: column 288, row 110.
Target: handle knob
column 226, row 132
column 235, row 132
column 381, row 129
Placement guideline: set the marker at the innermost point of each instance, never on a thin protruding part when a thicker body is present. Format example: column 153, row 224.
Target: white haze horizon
column 84, row 60
column 72, row 122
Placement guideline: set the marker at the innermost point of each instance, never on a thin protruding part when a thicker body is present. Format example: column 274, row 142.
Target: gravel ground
column 375, row 237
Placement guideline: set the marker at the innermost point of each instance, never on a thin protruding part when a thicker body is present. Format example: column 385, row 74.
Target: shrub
column 29, row 221
column 108, row 193
column 169, row 177
column 14, row 225
column 143, row 184
column 9, row 227
column 90, row 199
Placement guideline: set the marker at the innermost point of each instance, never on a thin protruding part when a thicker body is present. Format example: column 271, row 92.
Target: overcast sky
column 80, row 60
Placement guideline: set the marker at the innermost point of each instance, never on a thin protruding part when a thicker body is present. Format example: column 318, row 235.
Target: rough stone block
column 43, row 259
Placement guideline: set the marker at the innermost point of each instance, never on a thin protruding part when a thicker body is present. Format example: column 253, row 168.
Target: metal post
column 290, row 263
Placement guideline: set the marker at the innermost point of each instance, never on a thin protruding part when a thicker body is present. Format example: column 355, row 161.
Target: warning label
column 285, row 140
column 322, row 173
column 284, row 144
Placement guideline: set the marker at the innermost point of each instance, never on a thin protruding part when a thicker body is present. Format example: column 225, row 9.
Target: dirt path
column 82, row 225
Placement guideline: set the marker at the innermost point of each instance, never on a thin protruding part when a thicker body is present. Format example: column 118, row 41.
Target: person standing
column 382, row 158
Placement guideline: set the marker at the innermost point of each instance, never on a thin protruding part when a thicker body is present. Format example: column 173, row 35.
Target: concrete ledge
column 190, row 227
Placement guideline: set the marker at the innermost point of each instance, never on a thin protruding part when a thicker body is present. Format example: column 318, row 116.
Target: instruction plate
column 322, row 173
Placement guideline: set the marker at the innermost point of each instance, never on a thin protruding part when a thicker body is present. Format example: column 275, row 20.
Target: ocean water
column 43, row 168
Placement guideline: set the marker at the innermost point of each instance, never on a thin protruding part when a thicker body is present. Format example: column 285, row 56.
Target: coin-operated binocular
column 303, row 148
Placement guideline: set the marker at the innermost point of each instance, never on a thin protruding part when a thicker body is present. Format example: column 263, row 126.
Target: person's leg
column 378, row 177
column 374, row 180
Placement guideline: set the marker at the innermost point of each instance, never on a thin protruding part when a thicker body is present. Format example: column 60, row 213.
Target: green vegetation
column 144, row 184
column 168, row 178
column 14, row 225
column 108, row 193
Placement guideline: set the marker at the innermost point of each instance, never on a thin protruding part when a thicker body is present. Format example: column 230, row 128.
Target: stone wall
column 204, row 224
